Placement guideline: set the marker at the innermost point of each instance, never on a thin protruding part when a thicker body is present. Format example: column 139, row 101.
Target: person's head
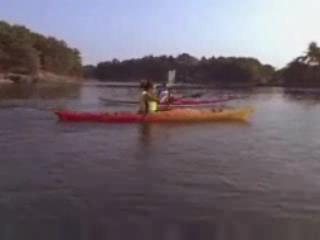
column 146, row 85
column 143, row 83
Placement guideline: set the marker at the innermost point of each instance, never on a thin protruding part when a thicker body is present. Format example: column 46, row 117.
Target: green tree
column 24, row 51
column 303, row 71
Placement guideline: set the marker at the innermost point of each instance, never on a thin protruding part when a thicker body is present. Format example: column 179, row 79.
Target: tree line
column 222, row 70
column 26, row 52
column 304, row 71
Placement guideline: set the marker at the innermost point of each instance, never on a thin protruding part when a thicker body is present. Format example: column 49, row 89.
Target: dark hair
column 146, row 85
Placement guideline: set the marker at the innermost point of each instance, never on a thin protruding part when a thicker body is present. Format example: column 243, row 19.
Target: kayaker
column 164, row 94
column 148, row 101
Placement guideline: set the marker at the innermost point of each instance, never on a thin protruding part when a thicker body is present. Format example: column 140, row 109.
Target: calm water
column 259, row 180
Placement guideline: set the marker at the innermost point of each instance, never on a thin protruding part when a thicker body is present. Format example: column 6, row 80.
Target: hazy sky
column 275, row 31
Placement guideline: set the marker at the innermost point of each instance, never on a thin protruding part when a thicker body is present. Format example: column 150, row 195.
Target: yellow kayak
column 194, row 115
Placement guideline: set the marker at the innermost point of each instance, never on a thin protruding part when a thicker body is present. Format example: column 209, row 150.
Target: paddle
column 171, row 81
column 171, row 77
column 192, row 95
column 195, row 95
column 118, row 102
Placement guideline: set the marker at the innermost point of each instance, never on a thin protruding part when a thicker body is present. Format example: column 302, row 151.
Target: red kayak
column 176, row 115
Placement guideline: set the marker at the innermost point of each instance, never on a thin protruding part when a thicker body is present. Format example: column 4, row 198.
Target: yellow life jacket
column 152, row 105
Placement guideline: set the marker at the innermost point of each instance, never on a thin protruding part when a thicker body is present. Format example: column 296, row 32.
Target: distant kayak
column 176, row 115
column 179, row 102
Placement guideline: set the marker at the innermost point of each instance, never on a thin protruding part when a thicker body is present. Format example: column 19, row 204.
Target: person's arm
column 152, row 97
column 143, row 108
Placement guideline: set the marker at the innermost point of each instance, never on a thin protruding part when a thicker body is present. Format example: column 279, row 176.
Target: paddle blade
column 171, row 77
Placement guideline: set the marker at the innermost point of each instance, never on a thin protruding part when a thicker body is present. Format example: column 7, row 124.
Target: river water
column 255, row 180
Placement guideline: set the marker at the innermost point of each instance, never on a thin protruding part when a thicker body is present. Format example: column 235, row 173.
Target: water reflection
column 45, row 91
column 74, row 227
column 145, row 133
column 216, row 181
column 305, row 96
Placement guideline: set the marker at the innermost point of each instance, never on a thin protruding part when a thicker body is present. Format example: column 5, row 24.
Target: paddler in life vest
column 148, row 100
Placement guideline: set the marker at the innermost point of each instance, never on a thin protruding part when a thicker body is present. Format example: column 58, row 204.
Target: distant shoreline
column 46, row 77
column 182, row 85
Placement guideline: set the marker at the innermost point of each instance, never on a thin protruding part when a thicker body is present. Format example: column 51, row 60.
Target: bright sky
column 275, row 31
